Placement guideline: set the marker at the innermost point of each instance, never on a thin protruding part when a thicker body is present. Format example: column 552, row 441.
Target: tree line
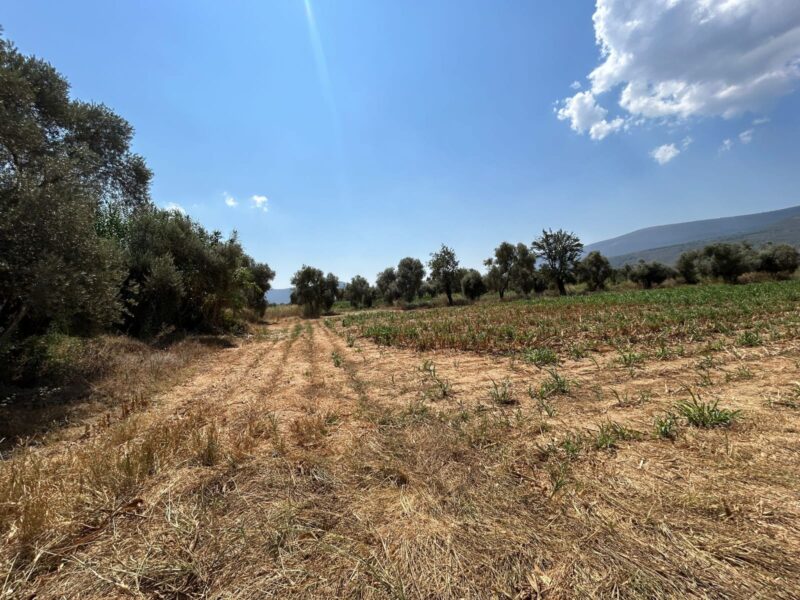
column 553, row 260
column 83, row 247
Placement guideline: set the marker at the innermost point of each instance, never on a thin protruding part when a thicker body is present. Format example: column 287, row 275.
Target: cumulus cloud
column 174, row 207
column 229, row 200
column 726, row 145
column 676, row 59
column 261, row 202
column 663, row 154
column 746, row 136
column 585, row 115
column 575, row 85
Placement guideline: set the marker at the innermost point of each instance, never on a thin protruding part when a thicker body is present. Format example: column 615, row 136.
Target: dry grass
column 277, row 474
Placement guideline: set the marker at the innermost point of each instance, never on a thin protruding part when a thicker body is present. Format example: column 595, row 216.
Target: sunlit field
column 637, row 445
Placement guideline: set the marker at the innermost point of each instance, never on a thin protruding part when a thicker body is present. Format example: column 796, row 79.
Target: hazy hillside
column 785, row 222
column 279, row 296
column 665, row 243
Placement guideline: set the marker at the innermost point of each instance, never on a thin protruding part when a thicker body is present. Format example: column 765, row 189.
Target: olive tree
column 561, row 252
column 410, row 274
column 473, row 285
column 728, row 261
column 648, row 274
column 594, row 270
column 359, row 292
column 688, row 266
column 63, row 163
column 314, row 291
column 778, row 258
column 386, row 284
column 499, row 267
column 522, row 275
column 444, row 271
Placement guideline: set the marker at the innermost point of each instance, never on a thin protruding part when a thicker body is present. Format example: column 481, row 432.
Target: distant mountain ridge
column 665, row 243
column 279, row 296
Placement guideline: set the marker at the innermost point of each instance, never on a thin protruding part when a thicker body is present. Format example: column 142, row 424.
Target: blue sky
column 399, row 126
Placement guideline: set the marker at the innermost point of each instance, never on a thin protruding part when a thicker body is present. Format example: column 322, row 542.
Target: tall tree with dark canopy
column 593, row 270
column 312, row 291
column 522, row 277
column 728, row 261
column 386, row 284
column 359, row 292
column 410, row 274
column 499, row 267
column 473, row 285
column 561, row 252
column 63, row 165
column 444, row 271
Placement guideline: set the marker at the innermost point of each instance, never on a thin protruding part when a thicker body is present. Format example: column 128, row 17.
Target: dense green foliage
column 778, row 258
column 513, row 267
column 83, row 248
column 593, row 270
column 410, row 273
column 650, row 274
column 314, row 291
column 444, row 272
column 472, row 285
column 181, row 275
column 359, row 292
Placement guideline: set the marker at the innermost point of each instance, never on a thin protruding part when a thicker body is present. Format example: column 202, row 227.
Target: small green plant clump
column 540, row 357
column 554, row 385
column 706, row 415
column 749, row 339
column 502, row 392
column 610, row 433
column 667, row 426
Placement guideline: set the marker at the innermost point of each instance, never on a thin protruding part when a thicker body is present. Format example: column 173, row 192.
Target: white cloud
column 726, row 145
column 677, row 59
column 584, row 114
column 261, row 202
column 174, row 207
column 663, row 154
column 687, row 141
column 575, row 85
column 229, row 200
column 760, row 121
column 746, row 136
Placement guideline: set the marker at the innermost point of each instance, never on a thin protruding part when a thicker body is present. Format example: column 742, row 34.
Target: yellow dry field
column 305, row 463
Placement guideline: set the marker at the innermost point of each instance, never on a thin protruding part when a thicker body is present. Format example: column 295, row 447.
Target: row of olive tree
column 83, row 248
column 514, row 267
